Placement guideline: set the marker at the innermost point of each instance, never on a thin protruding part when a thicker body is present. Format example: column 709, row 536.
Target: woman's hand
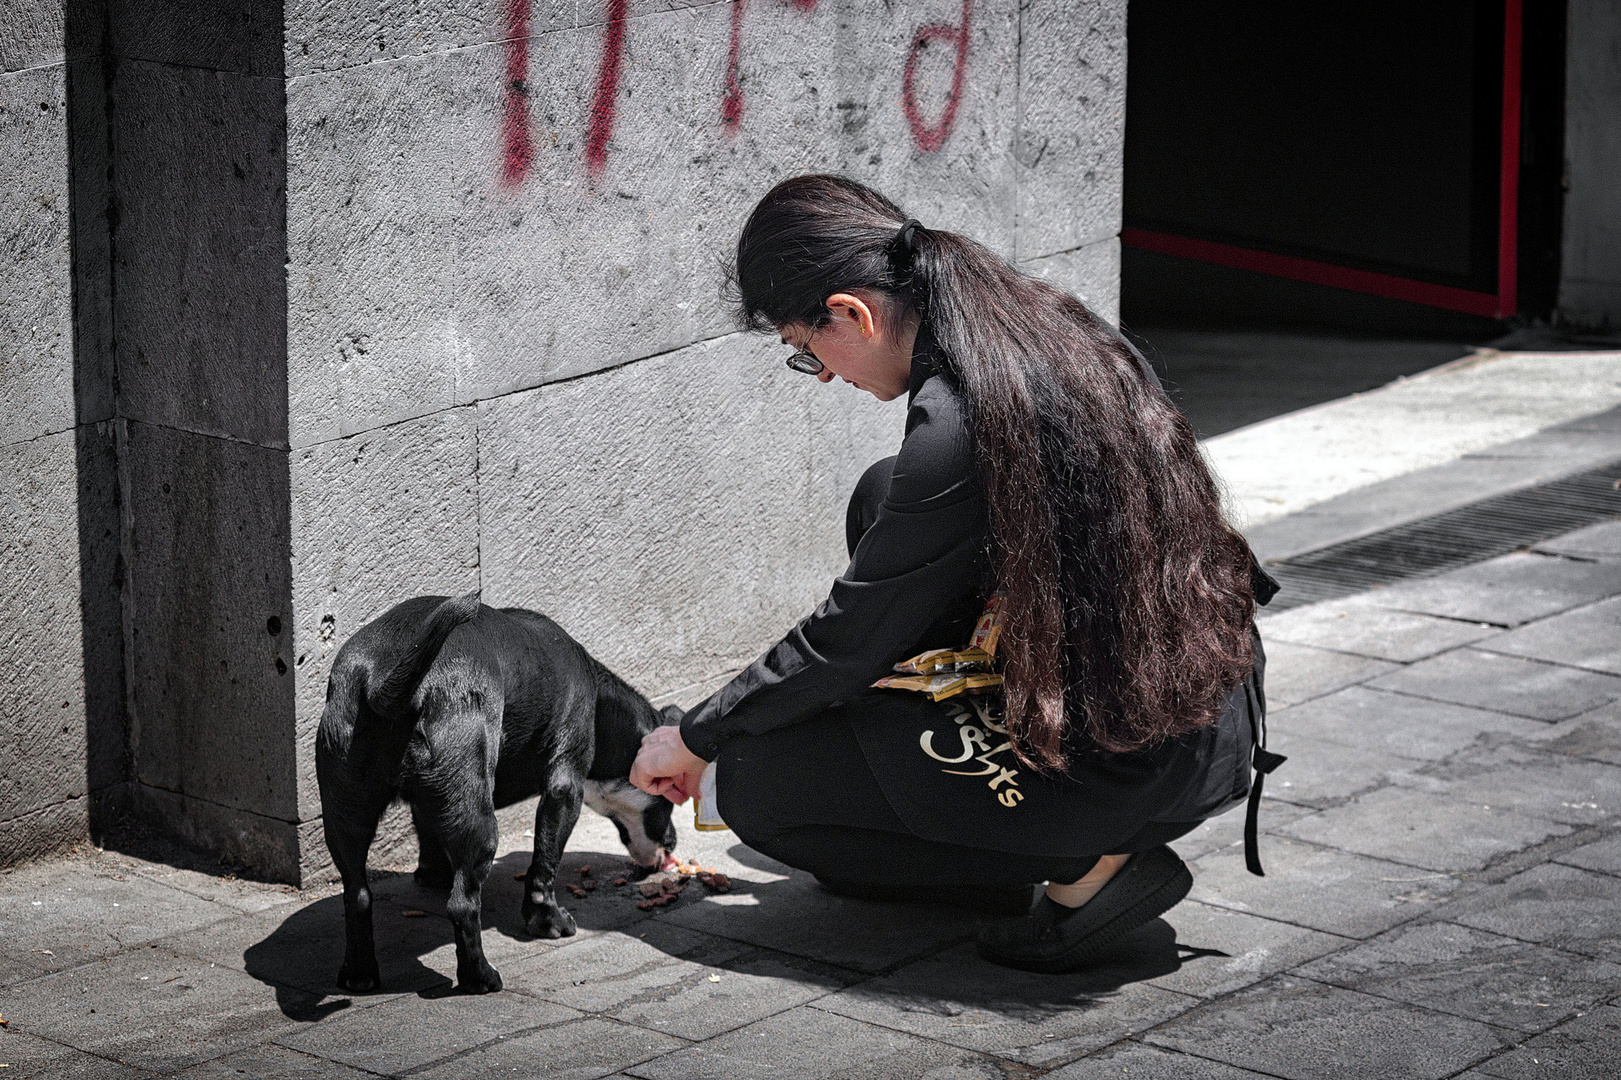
column 664, row 766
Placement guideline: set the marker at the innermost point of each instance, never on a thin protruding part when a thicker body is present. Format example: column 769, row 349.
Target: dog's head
column 643, row 821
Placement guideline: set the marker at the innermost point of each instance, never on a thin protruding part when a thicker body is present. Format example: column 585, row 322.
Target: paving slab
column 1586, row 1048
column 1226, row 833
column 797, row 916
column 1305, row 1030
column 150, row 1007
column 1356, row 624
column 674, row 980
column 1595, row 735
column 1042, row 1020
column 233, row 892
column 1296, row 673
column 271, row 1062
column 1223, row 950
column 1138, row 1062
column 303, row 948
column 808, row 1043
column 439, row 1026
column 1505, row 591
column 1367, row 719
column 56, row 915
column 1601, row 855
column 1515, row 778
column 1321, row 774
column 1471, row 973
column 1424, row 828
column 578, row 1050
column 1601, row 541
column 1588, row 637
column 1562, row 906
column 41, row 1059
column 1335, row 891
column 1508, row 684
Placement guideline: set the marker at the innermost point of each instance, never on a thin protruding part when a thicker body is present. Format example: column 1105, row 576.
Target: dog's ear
column 671, row 714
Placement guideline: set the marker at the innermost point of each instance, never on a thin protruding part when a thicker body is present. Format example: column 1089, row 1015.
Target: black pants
column 805, row 796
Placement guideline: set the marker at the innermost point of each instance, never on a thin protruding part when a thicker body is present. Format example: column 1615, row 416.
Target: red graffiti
column 930, row 137
column 518, row 148
column 731, row 102
column 602, row 102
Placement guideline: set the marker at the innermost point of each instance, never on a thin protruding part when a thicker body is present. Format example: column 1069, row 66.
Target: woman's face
column 859, row 346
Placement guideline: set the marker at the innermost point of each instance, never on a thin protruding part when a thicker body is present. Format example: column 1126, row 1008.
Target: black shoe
column 1053, row 938
column 997, row 901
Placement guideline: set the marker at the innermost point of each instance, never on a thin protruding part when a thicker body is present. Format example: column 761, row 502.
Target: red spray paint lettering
column 602, row 102
column 930, row 137
column 518, row 148
column 731, row 102
column 518, row 143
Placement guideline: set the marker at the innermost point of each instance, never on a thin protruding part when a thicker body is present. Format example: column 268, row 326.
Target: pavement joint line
column 1549, row 946
column 1137, row 1039
column 1482, row 646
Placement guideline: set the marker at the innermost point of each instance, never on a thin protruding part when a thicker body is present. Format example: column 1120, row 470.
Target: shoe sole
column 1149, row 908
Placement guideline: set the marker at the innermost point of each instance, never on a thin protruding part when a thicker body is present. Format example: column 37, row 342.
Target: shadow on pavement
column 919, row 954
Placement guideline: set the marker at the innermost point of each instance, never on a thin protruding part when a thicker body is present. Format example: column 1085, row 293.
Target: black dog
column 460, row 708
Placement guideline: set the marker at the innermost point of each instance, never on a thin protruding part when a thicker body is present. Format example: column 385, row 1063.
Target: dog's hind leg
column 351, row 825
column 555, row 817
column 433, row 865
column 455, row 797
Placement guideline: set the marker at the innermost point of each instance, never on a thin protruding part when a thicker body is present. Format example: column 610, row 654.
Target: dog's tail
column 393, row 695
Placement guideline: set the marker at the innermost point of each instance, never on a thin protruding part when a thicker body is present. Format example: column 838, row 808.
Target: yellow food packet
column 989, row 627
column 937, row 687
column 983, row 683
column 927, row 663
column 972, row 660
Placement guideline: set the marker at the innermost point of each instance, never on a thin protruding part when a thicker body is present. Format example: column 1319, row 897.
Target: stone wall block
column 663, row 513
column 90, row 244
column 1590, row 278
column 375, row 181
column 32, row 34
column 36, row 320
column 327, row 35
column 377, row 518
column 241, row 36
column 101, row 613
column 201, row 306
column 38, row 834
column 42, row 718
column 207, row 607
column 1071, row 132
column 1091, row 273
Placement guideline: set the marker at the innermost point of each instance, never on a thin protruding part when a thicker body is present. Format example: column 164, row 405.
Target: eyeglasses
column 803, row 360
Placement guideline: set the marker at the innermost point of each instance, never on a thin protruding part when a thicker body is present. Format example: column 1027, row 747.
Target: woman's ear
column 852, row 307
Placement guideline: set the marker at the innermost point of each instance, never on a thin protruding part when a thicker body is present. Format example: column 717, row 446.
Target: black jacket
column 917, row 581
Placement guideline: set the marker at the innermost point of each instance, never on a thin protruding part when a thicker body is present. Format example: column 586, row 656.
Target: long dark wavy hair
column 1127, row 595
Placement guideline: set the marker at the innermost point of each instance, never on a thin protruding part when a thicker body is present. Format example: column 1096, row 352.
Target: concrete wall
column 1590, row 278
column 428, row 301
column 59, row 654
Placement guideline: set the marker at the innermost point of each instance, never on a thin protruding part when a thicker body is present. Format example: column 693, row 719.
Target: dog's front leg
column 555, row 817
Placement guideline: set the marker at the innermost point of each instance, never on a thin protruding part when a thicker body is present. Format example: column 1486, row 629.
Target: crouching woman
column 1041, row 461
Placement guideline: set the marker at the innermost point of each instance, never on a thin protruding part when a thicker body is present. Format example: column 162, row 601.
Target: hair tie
column 902, row 247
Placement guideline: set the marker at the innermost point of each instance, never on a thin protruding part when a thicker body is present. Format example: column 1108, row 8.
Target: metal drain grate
column 1446, row 541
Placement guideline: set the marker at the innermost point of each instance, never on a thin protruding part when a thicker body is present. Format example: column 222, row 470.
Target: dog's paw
column 550, row 921
column 478, row 979
column 364, row 982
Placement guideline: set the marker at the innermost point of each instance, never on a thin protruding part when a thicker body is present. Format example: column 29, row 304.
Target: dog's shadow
column 807, row 932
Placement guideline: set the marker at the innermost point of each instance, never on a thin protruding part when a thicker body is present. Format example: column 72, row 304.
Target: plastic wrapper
column 928, row 663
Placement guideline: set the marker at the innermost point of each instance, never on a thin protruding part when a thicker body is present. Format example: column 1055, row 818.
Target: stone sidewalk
column 1443, row 899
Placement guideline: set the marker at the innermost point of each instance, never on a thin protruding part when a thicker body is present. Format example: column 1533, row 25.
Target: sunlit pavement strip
column 1442, row 899
column 1285, row 464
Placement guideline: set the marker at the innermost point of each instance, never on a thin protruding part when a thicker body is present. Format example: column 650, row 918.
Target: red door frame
column 1498, row 305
